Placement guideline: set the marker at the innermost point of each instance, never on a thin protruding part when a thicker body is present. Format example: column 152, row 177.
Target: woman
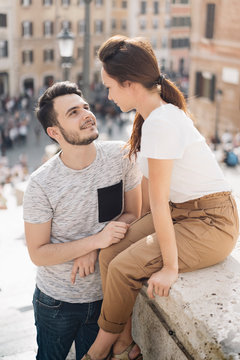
column 193, row 221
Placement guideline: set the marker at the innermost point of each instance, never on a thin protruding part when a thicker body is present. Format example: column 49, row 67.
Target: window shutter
column 30, row 56
column 198, row 80
column 210, row 21
column 31, row 28
column 212, row 88
column 6, row 48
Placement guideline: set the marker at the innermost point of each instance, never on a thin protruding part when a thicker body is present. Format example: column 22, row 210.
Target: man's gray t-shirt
column 80, row 203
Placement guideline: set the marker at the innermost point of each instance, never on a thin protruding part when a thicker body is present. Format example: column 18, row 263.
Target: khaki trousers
column 206, row 231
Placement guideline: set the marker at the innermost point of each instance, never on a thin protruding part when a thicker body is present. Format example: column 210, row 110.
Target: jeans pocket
column 47, row 301
column 46, row 308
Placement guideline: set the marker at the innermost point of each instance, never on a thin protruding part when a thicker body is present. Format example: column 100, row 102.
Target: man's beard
column 73, row 138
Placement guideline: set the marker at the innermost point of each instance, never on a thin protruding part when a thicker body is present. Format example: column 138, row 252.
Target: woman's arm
column 160, row 172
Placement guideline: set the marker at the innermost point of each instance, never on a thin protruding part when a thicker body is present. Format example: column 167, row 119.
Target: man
column 79, row 201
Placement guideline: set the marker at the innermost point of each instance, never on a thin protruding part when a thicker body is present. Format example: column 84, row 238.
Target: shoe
column 125, row 354
column 88, row 357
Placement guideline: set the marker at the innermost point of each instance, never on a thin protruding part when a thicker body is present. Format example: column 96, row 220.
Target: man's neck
column 78, row 157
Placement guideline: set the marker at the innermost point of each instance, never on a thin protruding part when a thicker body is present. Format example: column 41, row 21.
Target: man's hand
column 112, row 234
column 161, row 281
column 84, row 265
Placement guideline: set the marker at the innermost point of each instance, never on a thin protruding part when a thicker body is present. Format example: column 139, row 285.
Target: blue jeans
column 60, row 323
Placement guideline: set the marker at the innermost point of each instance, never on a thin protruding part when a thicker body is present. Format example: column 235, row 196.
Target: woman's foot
column 88, row 356
column 123, row 351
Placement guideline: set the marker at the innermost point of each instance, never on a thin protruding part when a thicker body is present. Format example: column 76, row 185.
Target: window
column 27, row 57
column 3, row 48
column 154, row 43
column 143, row 7
column 180, row 43
column 167, row 22
column 98, row 26
column 209, row 30
column 163, row 64
column 124, row 4
column 142, row 24
column 181, row 21
column 180, row 1
column 114, row 24
column 155, row 23
column 124, row 24
column 27, row 28
column 95, row 50
column 80, row 2
column 164, row 42
column 79, row 52
column 66, row 24
column 3, row 20
column 181, row 66
column 99, row 2
column 48, row 28
column 26, row 2
column 205, row 85
column 113, row 3
column 48, row 55
column 66, row 2
column 47, row 2
column 48, row 80
column 156, row 7
column 81, row 27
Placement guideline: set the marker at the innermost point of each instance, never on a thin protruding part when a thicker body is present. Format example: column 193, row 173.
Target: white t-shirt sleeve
column 36, row 206
column 162, row 139
column 131, row 172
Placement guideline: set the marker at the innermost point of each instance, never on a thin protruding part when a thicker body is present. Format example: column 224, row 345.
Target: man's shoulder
column 46, row 169
column 112, row 148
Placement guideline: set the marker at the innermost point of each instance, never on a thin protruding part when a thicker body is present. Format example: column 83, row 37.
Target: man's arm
column 43, row 252
column 84, row 265
column 132, row 205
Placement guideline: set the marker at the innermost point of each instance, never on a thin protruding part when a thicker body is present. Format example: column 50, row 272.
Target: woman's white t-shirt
column 168, row 133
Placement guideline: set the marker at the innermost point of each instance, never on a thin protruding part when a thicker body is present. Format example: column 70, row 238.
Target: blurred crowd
column 227, row 148
column 14, row 121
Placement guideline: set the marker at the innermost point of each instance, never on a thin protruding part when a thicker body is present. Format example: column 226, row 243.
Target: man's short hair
column 45, row 110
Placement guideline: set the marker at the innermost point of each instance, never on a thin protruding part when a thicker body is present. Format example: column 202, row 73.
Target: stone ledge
column 199, row 320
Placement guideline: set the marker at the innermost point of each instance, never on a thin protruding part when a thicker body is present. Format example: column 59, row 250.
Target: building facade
column 31, row 60
column 215, row 66
column 7, row 48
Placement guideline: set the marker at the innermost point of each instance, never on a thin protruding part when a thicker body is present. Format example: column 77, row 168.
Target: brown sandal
column 88, row 357
column 125, row 354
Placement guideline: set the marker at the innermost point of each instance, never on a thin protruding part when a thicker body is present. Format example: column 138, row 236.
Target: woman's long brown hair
column 134, row 60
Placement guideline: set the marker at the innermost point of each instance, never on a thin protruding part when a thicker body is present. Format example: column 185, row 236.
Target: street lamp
column 66, row 43
column 219, row 94
column 86, row 53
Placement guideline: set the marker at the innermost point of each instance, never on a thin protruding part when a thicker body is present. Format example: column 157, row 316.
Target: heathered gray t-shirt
column 80, row 203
